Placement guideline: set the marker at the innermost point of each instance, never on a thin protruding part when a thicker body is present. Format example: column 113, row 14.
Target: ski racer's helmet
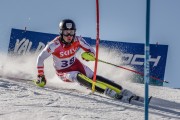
column 67, row 24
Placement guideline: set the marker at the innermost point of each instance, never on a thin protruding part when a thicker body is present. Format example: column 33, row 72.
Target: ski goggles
column 68, row 32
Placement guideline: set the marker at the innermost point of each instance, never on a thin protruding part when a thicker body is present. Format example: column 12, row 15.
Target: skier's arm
column 47, row 51
column 85, row 46
column 40, row 60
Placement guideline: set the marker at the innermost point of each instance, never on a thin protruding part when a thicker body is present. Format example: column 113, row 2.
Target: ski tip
column 149, row 99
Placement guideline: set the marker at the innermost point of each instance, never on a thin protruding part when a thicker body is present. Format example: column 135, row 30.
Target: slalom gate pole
column 146, row 60
column 97, row 45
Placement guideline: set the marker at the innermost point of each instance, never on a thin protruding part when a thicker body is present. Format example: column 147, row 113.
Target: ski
column 134, row 100
column 139, row 99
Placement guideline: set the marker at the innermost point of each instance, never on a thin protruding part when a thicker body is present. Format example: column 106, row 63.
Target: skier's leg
column 110, row 84
column 83, row 74
column 103, row 86
column 115, row 89
column 80, row 73
column 85, row 81
column 70, row 74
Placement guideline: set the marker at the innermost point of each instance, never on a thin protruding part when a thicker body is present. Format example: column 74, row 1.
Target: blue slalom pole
column 146, row 65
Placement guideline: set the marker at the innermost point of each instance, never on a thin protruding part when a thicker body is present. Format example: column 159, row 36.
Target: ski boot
column 127, row 96
column 111, row 93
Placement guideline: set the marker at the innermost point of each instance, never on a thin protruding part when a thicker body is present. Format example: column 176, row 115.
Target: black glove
column 41, row 81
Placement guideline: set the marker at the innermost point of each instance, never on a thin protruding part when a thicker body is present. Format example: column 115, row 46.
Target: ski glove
column 41, row 81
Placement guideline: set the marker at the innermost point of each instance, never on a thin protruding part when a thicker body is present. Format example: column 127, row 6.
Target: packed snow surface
column 20, row 99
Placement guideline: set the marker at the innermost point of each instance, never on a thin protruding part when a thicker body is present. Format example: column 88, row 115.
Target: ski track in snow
column 20, row 100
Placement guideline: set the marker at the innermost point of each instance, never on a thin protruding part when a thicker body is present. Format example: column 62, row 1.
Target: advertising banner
column 23, row 42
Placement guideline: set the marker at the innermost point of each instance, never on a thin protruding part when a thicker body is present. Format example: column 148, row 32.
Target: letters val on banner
column 22, row 42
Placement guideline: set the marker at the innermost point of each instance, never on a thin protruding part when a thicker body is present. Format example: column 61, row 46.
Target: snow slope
column 20, row 99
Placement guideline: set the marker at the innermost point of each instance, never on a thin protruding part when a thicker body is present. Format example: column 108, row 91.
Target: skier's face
column 68, row 35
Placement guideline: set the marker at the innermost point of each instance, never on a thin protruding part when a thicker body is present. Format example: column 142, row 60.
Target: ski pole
column 90, row 57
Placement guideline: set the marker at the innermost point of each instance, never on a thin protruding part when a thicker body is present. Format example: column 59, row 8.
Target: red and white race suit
column 66, row 64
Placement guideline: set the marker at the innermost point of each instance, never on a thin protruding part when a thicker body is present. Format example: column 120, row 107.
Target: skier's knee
column 69, row 76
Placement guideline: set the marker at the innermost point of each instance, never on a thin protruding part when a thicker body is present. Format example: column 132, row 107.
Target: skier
column 63, row 49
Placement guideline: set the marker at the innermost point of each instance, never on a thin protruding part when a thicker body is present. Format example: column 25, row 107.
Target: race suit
column 66, row 64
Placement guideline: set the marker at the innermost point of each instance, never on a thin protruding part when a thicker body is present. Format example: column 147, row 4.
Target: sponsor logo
column 25, row 45
column 69, row 25
column 68, row 52
column 138, row 59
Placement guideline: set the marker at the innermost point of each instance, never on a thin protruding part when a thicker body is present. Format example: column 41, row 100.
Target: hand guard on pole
column 41, row 81
column 88, row 54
